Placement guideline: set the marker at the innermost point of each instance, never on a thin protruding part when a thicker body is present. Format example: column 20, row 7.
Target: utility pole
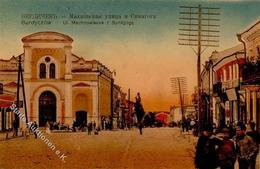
column 199, row 28
column 20, row 78
column 179, row 86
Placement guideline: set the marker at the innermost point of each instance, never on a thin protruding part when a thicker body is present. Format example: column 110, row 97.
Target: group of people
column 56, row 126
column 216, row 151
column 190, row 124
column 16, row 127
column 106, row 123
column 91, row 126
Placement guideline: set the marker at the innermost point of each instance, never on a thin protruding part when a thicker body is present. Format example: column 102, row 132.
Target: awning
column 162, row 117
column 6, row 100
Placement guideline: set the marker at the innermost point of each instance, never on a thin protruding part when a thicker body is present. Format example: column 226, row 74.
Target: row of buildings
column 231, row 82
column 59, row 85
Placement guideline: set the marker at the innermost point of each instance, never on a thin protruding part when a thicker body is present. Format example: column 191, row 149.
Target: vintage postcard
column 129, row 84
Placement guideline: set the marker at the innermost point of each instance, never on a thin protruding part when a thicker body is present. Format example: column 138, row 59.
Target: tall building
column 59, row 85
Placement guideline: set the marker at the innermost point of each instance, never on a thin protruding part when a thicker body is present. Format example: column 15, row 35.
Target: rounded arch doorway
column 47, row 108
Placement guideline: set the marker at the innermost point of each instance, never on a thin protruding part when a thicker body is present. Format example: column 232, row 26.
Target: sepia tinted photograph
column 129, row 84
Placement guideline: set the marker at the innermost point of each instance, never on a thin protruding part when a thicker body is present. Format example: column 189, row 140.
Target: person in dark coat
column 206, row 155
column 15, row 128
column 89, row 128
column 74, row 126
column 227, row 151
column 183, row 125
column 247, row 148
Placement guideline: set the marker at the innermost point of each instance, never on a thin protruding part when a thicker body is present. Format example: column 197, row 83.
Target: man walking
column 246, row 148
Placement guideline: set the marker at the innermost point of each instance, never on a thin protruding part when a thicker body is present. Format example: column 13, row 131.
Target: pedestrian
column 227, row 152
column 94, row 125
column 196, row 129
column 187, row 125
column 246, row 148
column 192, row 123
column 48, row 127
column 140, row 126
column 15, row 128
column 35, row 126
column 96, row 131
column 206, row 155
column 104, row 124
column 74, row 126
column 252, row 125
column 250, row 131
column 183, row 125
column 138, row 98
column 230, row 127
column 89, row 128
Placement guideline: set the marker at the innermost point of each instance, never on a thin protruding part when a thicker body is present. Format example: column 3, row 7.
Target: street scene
column 156, row 148
column 130, row 84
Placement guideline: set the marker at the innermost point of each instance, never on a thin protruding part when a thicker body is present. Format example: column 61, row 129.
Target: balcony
column 251, row 73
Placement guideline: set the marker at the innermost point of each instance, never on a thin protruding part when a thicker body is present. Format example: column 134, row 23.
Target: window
column 52, row 71
column 48, row 68
column 42, row 71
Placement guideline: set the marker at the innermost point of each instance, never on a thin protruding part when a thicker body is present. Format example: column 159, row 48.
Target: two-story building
column 59, row 85
column 227, row 75
column 250, row 39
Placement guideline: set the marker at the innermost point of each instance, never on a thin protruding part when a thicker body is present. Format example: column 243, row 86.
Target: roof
column 251, row 27
column 47, row 36
column 216, row 56
column 81, row 84
column 11, row 84
column 6, row 100
column 250, row 33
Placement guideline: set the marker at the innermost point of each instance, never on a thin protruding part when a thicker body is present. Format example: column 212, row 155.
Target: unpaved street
column 157, row 148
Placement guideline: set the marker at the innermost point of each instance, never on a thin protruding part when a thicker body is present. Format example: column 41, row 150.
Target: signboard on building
column 232, row 95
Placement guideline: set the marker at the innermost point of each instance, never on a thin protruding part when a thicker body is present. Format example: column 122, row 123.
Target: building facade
column 234, row 93
column 250, row 39
column 227, row 76
column 59, row 85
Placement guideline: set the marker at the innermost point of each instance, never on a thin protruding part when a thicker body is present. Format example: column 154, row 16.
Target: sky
column 144, row 53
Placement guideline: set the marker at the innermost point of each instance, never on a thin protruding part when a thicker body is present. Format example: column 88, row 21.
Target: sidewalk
column 9, row 135
column 3, row 135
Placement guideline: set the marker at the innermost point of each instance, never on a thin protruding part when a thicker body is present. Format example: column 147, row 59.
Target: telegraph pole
column 20, row 78
column 199, row 28
column 179, row 86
